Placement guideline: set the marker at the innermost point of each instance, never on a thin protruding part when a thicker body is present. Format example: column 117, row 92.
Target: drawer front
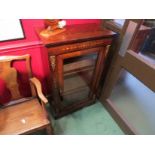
column 78, row 46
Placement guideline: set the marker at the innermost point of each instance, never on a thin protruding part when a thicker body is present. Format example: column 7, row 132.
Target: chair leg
column 49, row 130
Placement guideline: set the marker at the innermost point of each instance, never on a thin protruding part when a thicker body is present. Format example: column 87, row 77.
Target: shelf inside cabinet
column 79, row 64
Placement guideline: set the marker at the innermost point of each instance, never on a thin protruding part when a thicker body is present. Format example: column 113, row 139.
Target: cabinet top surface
column 75, row 33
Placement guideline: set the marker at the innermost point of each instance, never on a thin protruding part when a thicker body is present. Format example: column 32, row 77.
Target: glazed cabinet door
column 78, row 75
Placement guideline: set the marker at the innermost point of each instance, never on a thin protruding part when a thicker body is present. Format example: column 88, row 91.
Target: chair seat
column 21, row 118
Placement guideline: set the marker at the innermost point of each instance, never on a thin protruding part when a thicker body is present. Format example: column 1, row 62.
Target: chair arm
column 37, row 85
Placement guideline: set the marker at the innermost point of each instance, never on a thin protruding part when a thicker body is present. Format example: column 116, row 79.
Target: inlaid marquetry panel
column 78, row 46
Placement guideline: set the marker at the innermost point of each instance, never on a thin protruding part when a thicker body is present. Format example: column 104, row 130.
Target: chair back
column 9, row 76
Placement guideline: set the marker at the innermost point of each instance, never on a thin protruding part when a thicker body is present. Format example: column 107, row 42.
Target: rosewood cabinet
column 77, row 57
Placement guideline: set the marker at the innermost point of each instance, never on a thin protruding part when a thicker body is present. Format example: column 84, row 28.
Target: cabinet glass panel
column 78, row 76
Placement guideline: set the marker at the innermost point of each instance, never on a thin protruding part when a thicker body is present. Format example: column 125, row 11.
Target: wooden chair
column 22, row 115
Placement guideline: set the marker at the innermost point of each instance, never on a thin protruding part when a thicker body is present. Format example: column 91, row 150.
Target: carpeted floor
column 91, row 120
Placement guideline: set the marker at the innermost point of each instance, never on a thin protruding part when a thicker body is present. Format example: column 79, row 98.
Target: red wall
column 81, row 21
column 32, row 45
